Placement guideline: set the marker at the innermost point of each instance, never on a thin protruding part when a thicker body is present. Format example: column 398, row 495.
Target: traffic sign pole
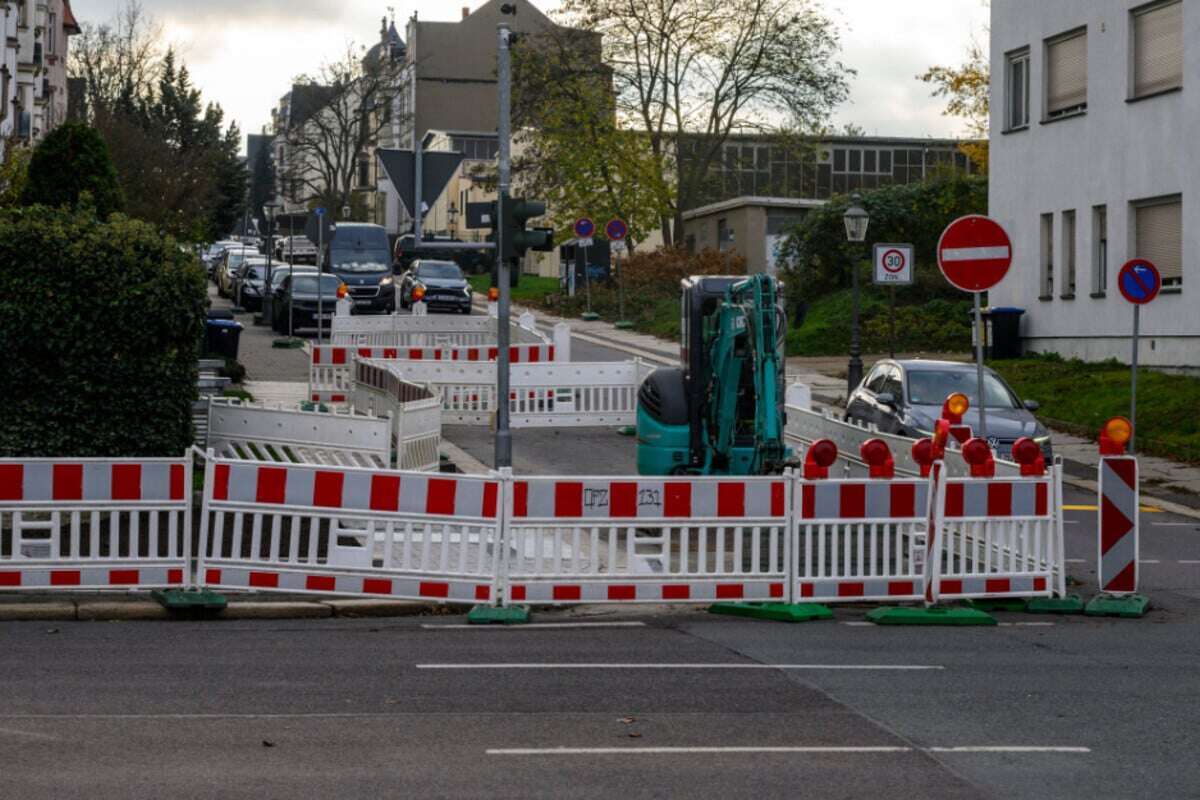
column 1137, row 307
column 979, row 367
column 584, row 228
column 616, row 231
column 1139, row 282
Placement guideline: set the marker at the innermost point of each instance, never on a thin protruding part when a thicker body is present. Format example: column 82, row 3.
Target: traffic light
column 516, row 239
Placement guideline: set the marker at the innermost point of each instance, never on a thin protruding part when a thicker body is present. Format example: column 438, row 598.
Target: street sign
column 584, row 242
column 319, row 227
column 974, row 253
column 1139, row 281
column 584, row 228
column 437, row 166
column 616, row 229
column 320, row 212
column 894, row 264
column 617, row 246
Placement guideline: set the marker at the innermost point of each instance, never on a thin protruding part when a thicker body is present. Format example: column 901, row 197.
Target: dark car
column 906, row 397
column 359, row 256
column 443, row 282
column 304, row 298
column 440, row 248
column 280, row 272
column 249, row 284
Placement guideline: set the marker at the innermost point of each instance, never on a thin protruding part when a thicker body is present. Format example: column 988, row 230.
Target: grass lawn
column 529, row 291
column 1079, row 397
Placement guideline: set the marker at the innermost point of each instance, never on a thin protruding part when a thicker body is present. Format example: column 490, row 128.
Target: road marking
column 1026, row 624
column 532, row 626
column 816, row 750
column 28, row 734
column 890, row 667
column 859, row 624
column 1072, row 521
column 1143, row 509
column 1175, row 524
column 1077, row 561
column 1150, row 561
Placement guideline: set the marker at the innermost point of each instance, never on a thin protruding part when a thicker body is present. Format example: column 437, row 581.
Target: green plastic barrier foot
column 309, row 405
column 196, row 604
column 627, row 430
column 938, row 615
column 288, row 343
column 1113, row 605
column 590, row 316
column 498, row 615
column 999, row 604
column 780, row 612
column 623, row 324
column 1071, row 604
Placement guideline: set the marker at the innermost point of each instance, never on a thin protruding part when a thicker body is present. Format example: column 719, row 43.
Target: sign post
column 893, row 267
column 1139, row 282
column 584, row 228
column 320, row 212
column 974, row 254
column 616, row 230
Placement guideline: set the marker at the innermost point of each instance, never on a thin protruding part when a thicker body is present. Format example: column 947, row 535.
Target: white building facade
column 1095, row 160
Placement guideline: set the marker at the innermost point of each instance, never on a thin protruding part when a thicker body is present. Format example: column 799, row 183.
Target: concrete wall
column 1116, row 153
column 749, row 225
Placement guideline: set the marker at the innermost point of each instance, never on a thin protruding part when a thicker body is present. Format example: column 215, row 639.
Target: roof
column 69, row 23
column 798, row 203
column 306, row 100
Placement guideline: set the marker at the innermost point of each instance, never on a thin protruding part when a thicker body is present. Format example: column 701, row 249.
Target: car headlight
column 467, row 291
column 387, row 281
column 1042, row 439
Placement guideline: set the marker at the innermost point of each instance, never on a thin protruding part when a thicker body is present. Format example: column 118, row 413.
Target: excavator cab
column 721, row 412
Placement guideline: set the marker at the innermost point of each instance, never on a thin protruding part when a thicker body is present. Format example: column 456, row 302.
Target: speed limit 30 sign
column 894, row 264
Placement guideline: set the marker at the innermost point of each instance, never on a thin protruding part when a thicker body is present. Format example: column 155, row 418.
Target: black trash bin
column 1004, row 336
column 221, row 337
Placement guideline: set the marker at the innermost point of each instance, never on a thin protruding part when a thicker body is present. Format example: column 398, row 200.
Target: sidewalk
column 1174, row 487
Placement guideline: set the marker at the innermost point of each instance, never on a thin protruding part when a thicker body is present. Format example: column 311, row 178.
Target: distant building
column 295, row 109
column 33, row 74
column 752, row 226
column 1094, row 162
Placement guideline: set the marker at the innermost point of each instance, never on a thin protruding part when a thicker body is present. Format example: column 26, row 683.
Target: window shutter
column 1160, row 238
column 1067, row 63
column 1158, row 49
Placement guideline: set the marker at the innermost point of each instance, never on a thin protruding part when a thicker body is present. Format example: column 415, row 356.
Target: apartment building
column 33, row 73
column 1093, row 163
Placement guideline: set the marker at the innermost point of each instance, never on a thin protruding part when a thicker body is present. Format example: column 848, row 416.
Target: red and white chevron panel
column 1118, row 557
column 629, row 589
column 988, row 498
column 310, row 487
column 361, row 583
column 883, row 500
column 517, row 353
column 92, row 481
column 697, row 498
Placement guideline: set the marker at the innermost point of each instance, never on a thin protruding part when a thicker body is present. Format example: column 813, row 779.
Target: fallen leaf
column 268, row 743
column 635, row 736
column 627, row 720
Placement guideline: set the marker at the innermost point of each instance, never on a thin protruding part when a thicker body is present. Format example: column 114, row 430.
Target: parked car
column 231, row 261
column 304, row 298
column 213, row 253
column 905, row 397
column 281, row 271
column 358, row 254
column 249, row 283
column 297, row 249
column 440, row 248
column 444, row 284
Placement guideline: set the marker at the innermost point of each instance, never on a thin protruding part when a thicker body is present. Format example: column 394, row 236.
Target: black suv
column 443, row 283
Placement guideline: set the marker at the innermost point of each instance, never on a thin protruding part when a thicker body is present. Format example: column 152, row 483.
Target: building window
column 1068, row 251
column 1159, row 237
column 1099, row 251
column 1066, row 74
column 1047, row 259
column 1157, row 48
column 52, row 34
column 23, row 13
column 724, row 235
column 1016, row 74
column 4, row 92
column 364, row 172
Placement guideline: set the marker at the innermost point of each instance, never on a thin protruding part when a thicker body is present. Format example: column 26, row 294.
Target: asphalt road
column 346, row 708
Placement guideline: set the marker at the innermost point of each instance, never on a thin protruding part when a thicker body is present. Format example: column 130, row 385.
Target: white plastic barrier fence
column 860, row 540
column 367, row 533
column 599, row 540
column 415, row 411
column 556, row 394
column 291, row 435
column 430, row 330
column 69, row 524
column 331, row 379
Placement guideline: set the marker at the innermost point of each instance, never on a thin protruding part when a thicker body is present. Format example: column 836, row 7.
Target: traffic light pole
column 503, row 454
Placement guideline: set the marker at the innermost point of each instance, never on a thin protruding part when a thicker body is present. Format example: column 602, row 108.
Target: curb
column 100, row 610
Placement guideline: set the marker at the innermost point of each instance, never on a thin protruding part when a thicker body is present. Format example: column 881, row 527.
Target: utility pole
column 503, row 453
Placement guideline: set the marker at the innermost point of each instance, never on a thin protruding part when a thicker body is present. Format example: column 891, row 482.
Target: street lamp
column 270, row 210
column 857, row 220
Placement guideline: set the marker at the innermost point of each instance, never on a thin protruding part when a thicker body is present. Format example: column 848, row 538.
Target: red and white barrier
column 599, row 540
column 95, row 523
column 354, row 532
column 1118, row 521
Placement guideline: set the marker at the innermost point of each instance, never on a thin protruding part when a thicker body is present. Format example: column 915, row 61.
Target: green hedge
column 100, row 324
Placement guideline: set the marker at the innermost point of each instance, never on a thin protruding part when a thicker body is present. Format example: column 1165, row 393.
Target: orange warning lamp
column 342, row 291
column 418, row 293
column 1115, row 434
column 955, row 406
column 493, row 294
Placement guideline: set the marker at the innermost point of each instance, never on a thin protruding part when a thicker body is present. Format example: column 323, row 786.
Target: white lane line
column 1189, row 561
column 1149, row 561
column 1175, row 524
column 1026, row 624
column 890, row 667
column 1077, row 561
column 859, row 624
column 1072, row 522
column 819, row 750
column 532, row 626
column 28, row 734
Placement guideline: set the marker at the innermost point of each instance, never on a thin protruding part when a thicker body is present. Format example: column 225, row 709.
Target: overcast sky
column 243, row 54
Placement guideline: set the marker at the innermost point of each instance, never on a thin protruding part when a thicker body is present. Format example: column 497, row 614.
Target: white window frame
column 1099, row 250
column 1011, row 59
column 1046, row 257
column 1070, row 232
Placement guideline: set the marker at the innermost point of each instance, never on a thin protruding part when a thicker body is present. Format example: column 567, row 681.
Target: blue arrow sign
column 319, row 211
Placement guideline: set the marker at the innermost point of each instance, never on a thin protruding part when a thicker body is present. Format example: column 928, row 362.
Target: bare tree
column 324, row 149
column 119, row 61
column 691, row 73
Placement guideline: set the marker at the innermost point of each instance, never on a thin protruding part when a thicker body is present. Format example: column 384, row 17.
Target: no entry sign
column 974, row 253
column 1139, row 281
